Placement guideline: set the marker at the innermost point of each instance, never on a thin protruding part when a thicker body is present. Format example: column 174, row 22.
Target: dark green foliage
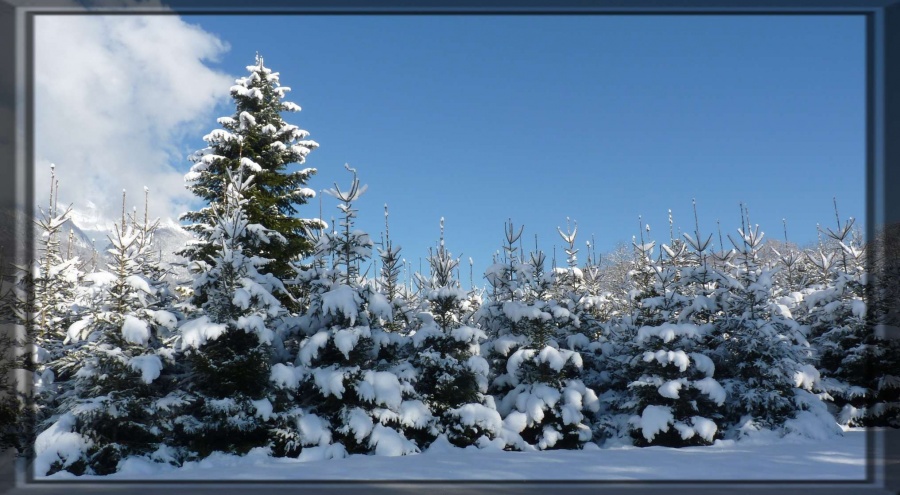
column 233, row 364
column 220, row 431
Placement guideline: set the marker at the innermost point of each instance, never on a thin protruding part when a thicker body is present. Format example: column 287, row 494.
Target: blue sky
column 537, row 118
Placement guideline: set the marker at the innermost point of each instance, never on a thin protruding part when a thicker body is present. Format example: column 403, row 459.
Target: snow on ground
column 764, row 458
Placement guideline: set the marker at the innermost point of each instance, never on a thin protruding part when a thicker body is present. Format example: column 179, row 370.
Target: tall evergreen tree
column 52, row 280
column 622, row 328
column 503, row 332
column 258, row 137
column 577, row 290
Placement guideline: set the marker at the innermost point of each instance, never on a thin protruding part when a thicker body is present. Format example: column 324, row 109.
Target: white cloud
column 114, row 95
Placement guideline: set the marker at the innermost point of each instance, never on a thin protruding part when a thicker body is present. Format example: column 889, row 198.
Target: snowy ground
column 840, row 458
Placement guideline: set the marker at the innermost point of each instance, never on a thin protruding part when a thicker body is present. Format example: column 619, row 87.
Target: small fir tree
column 113, row 365
column 844, row 340
column 42, row 301
column 453, row 376
column 227, row 344
column 541, row 396
column 578, row 291
column 353, row 394
column 762, row 354
column 390, row 285
column 674, row 398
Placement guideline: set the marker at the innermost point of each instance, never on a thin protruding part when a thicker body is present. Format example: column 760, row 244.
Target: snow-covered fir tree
column 844, row 342
column 390, row 285
column 674, row 398
column 578, row 290
column 792, row 275
column 257, row 137
column 620, row 348
column 572, row 290
column 593, row 272
column 353, row 393
column 452, row 375
column 762, row 356
column 227, row 341
column 53, row 279
column 883, row 399
column 538, row 391
column 112, row 366
column 698, row 280
column 151, row 265
column 43, row 302
column 503, row 332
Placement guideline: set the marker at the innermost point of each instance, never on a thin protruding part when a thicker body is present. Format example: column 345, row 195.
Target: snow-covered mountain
column 168, row 239
column 89, row 218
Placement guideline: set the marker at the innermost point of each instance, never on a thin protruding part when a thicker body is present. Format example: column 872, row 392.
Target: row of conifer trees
column 279, row 341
